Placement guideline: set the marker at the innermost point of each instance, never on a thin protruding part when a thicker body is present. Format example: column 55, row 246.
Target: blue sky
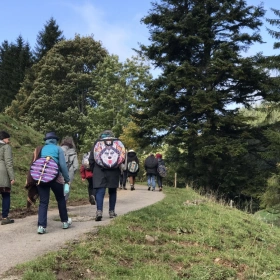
column 116, row 23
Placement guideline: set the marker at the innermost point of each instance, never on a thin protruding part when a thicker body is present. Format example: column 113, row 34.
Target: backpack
column 68, row 158
column 44, row 170
column 132, row 166
column 162, row 170
column 85, row 161
column 109, row 153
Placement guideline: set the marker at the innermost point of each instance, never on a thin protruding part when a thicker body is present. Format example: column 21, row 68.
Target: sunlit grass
column 173, row 239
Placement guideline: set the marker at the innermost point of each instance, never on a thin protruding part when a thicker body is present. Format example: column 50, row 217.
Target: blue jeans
column 151, row 180
column 100, row 193
column 6, row 201
column 44, row 194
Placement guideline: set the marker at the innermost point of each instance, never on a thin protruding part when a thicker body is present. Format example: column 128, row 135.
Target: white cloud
column 115, row 38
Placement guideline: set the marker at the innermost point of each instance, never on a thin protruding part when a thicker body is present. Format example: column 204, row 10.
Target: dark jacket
column 103, row 178
column 151, row 164
column 160, row 162
column 131, row 156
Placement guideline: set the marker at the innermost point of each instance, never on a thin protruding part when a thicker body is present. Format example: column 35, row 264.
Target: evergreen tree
column 55, row 93
column 198, row 45
column 15, row 59
column 47, row 38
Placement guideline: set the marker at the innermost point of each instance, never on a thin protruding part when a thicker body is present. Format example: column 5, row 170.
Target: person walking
column 68, row 146
column 132, row 168
column 150, row 165
column 56, row 153
column 123, row 176
column 87, row 174
column 159, row 177
column 7, row 176
column 104, row 177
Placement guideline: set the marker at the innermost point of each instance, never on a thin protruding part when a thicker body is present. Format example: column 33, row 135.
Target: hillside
column 23, row 141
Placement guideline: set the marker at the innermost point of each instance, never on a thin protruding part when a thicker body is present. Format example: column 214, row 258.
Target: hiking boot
column 112, row 214
column 98, row 216
column 92, row 200
column 67, row 224
column 41, row 230
column 149, row 188
column 6, row 221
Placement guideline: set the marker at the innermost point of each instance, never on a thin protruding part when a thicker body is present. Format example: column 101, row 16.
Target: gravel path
column 20, row 241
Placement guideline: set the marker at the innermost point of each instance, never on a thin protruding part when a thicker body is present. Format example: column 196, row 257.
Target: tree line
column 190, row 111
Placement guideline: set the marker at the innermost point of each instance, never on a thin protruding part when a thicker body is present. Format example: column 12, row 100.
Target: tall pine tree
column 47, row 38
column 198, row 45
column 15, row 59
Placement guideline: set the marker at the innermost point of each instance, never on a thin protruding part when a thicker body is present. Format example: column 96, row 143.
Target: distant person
column 132, row 168
column 151, row 164
column 123, row 176
column 160, row 172
column 51, row 149
column 87, row 174
column 105, row 158
column 7, row 175
column 68, row 146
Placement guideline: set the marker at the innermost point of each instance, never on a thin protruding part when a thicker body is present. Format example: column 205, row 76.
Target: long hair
column 68, row 141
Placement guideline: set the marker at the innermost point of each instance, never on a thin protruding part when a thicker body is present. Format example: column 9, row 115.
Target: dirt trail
column 20, row 241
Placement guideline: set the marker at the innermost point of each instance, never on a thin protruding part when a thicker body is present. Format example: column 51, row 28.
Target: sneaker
column 41, row 230
column 92, row 200
column 112, row 214
column 153, row 189
column 149, row 188
column 6, row 221
column 98, row 216
column 160, row 189
column 132, row 188
column 67, row 224
column 124, row 188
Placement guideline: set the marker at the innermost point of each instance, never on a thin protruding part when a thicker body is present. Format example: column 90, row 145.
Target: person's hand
column 12, row 182
column 83, row 179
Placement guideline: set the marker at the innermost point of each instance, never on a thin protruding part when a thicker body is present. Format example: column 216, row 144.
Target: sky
column 116, row 23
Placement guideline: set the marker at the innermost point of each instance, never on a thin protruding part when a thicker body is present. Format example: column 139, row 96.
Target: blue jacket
column 51, row 149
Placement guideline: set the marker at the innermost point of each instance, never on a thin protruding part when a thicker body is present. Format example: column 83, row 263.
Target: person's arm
column 75, row 163
column 8, row 158
column 91, row 160
column 62, row 165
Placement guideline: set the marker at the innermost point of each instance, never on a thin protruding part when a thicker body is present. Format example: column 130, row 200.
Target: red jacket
column 85, row 174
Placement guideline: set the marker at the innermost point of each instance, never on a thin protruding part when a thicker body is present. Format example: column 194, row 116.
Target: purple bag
column 44, row 170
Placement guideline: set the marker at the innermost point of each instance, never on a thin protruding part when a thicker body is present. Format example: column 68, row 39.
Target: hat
column 4, row 135
column 51, row 135
column 158, row 156
column 106, row 133
column 131, row 151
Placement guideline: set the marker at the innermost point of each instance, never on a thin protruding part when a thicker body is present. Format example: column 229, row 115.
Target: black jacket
column 131, row 156
column 151, row 164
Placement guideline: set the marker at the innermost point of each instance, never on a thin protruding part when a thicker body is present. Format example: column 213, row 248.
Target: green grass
column 173, row 239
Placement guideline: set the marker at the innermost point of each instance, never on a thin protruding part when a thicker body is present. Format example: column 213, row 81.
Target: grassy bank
column 23, row 141
column 185, row 236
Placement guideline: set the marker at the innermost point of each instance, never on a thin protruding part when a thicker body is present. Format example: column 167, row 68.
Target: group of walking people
column 64, row 155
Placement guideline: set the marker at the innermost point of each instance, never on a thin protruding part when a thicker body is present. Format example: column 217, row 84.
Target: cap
column 51, row 135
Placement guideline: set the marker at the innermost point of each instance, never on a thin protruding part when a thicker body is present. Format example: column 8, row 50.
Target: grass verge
column 185, row 236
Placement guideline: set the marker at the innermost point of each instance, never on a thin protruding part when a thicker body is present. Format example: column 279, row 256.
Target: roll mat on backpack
column 44, row 170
